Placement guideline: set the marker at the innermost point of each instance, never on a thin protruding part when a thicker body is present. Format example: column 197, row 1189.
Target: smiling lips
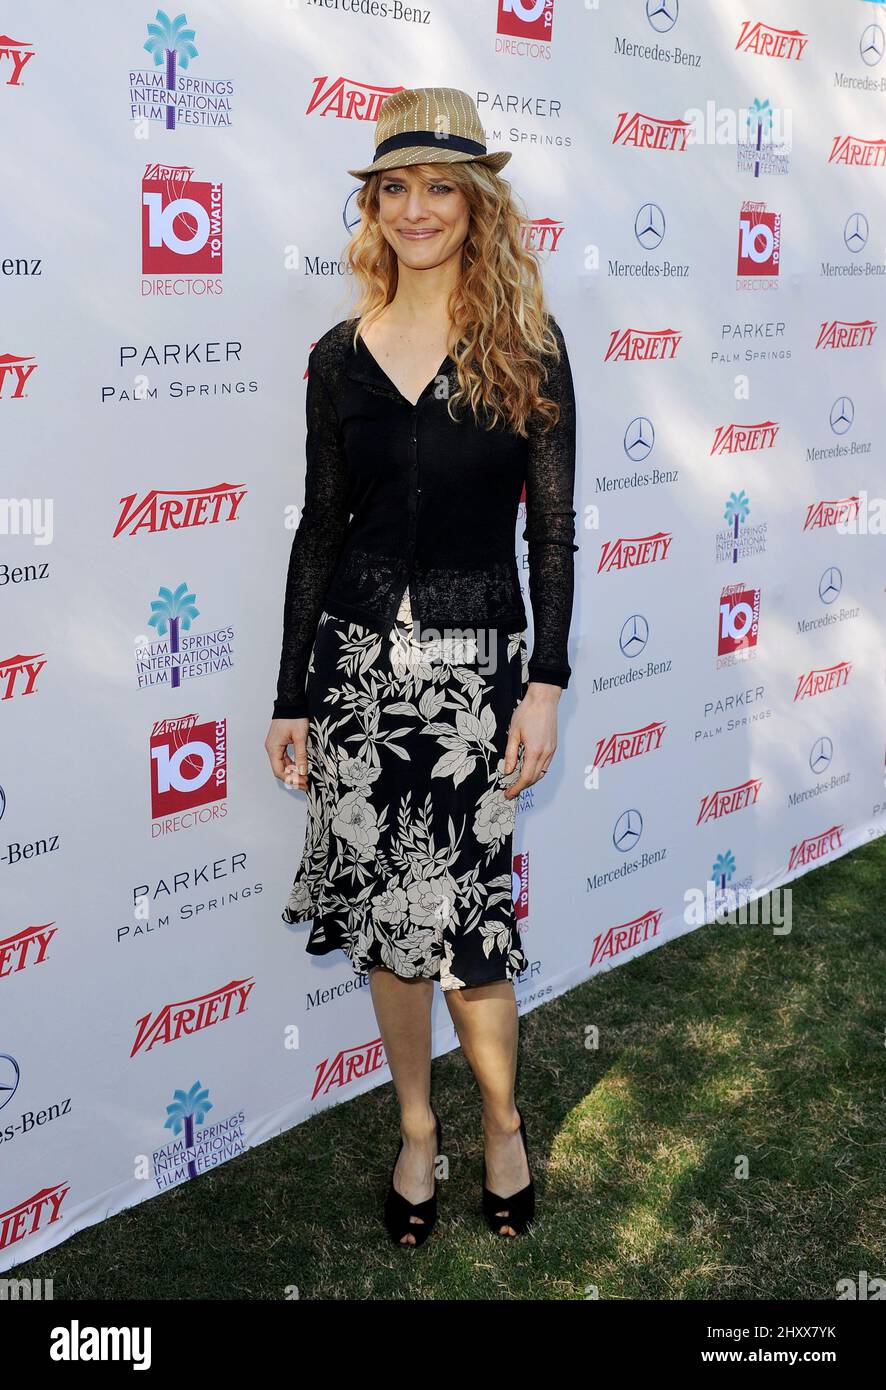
column 419, row 236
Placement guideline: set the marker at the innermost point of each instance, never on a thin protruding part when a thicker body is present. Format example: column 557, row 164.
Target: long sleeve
column 316, row 545
column 550, row 526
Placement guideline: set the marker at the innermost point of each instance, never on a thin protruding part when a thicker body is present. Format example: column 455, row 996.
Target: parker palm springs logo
column 346, row 100
column 165, row 94
column 726, row 800
column 32, row 1214
column 651, row 132
column 187, row 1016
column 852, row 149
column 642, row 345
column 14, row 57
column 526, row 19
column 189, row 770
column 174, row 510
column 14, row 373
column 180, row 654
column 26, row 948
column 768, row 42
column 349, row 1064
column 838, row 333
column 182, row 230
column 624, row 937
column 821, row 680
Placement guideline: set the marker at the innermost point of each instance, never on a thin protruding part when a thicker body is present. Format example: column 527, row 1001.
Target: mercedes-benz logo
column 9, row 1078
column 856, row 232
column 871, row 45
column 649, row 226
column 627, row 830
column 821, row 753
column 830, row 584
column 639, row 440
column 842, row 415
column 633, row 636
column 663, row 14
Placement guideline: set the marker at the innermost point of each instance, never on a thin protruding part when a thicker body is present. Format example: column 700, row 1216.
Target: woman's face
column 425, row 219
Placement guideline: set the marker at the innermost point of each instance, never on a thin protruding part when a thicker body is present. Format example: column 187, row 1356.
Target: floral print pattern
column 407, row 859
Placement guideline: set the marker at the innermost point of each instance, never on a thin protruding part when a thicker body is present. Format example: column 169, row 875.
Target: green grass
column 729, row 1041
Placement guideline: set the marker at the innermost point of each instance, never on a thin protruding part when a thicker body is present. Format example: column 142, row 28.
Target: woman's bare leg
column 403, row 1010
column 486, row 1021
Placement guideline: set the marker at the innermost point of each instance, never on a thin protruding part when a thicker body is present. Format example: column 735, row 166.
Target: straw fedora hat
column 429, row 125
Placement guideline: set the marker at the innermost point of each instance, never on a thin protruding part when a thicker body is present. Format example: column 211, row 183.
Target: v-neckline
column 412, row 404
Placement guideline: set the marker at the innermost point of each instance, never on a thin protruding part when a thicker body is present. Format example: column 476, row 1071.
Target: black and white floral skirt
column 407, row 860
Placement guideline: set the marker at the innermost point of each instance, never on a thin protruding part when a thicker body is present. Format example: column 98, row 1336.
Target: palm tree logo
column 737, row 510
column 188, row 1108
column 172, row 612
column 724, row 868
column 170, row 40
column 759, row 115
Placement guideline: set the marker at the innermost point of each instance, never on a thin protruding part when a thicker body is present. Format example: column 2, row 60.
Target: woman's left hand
column 534, row 724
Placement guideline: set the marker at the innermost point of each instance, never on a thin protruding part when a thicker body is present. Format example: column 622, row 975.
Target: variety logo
column 852, row 149
column 542, row 234
column 526, row 19
column 622, row 747
column 174, row 510
column 744, row 439
column 33, row 1214
column 182, row 224
column 819, row 681
column 740, row 541
column 759, row 243
column 520, row 885
column 171, row 660
column 14, row 54
column 820, row 515
column 617, row 940
column 349, row 101
column 630, row 552
column 14, row 372
column 839, row 333
column 193, row 1153
column 165, row 94
column 179, row 1020
column 642, row 345
column 738, row 626
column 26, row 948
column 27, row 667
column 769, row 42
column 725, row 801
column 350, row 1064
column 188, row 769
column 651, row 132
column 816, row 847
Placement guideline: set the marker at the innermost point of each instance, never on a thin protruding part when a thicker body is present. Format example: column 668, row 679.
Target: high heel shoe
column 397, row 1211
column 515, row 1211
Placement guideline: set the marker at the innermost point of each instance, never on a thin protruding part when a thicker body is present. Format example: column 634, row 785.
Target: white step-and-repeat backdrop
column 706, row 186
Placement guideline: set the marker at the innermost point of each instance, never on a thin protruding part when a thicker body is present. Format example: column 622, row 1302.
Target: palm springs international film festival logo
column 195, row 1150
column 180, row 654
column 182, row 229
column 165, row 94
column 766, row 148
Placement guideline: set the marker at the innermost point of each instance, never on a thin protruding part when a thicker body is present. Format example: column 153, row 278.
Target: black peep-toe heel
column 516, row 1211
column 397, row 1211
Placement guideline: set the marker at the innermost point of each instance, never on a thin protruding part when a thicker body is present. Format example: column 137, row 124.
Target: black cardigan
column 397, row 494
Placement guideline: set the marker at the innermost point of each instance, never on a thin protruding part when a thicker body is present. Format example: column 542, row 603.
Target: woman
column 405, row 687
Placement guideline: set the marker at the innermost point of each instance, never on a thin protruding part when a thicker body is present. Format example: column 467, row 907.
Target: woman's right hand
column 282, row 733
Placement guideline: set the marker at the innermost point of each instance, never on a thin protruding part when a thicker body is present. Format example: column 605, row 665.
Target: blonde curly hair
column 497, row 309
